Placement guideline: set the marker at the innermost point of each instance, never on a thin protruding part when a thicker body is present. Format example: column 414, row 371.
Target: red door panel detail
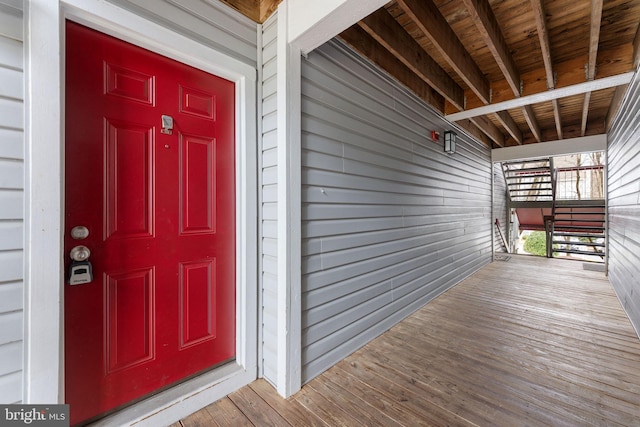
column 129, row 180
column 160, row 210
column 197, row 103
column 129, row 323
column 130, row 84
column 198, row 202
column 198, row 299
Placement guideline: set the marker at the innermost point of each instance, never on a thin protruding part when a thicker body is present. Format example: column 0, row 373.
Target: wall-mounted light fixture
column 449, row 142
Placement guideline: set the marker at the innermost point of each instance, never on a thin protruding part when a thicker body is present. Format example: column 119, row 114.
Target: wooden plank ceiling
column 459, row 55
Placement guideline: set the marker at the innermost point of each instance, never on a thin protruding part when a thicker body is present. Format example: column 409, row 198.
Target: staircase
column 530, row 188
column 579, row 227
column 572, row 226
column 530, row 180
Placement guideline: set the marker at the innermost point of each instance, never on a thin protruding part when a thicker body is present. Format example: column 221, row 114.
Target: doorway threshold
column 177, row 402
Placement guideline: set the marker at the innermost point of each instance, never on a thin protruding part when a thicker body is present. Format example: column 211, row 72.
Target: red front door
column 159, row 207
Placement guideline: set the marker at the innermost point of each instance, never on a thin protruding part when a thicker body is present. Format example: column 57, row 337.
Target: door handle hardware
column 80, row 253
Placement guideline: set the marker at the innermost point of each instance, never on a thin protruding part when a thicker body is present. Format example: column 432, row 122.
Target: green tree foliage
column 536, row 243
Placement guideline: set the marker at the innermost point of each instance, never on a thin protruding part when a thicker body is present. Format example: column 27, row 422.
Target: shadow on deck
column 528, row 341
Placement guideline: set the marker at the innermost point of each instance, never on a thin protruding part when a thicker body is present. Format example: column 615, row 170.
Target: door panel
column 160, row 208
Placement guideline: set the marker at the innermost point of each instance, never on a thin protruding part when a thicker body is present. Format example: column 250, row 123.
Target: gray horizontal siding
column 624, row 203
column 11, row 201
column 269, row 201
column 389, row 221
column 210, row 22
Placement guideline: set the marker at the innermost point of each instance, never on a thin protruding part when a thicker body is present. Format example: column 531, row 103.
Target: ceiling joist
column 479, row 55
column 386, row 31
column 430, row 21
column 383, row 28
column 362, row 42
column 543, row 36
column 487, row 25
column 510, row 125
column 594, row 39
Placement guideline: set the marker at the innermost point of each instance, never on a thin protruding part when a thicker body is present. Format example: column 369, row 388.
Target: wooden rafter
column 489, row 129
column 616, row 101
column 430, row 21
column 636, row 48
column 543, row 36
column 383, row 28
column 533, row 124
column 386, row 31
column 487, row 25
column 510, row 125
column 267, row 7
column 361, row 41
column 594, row 39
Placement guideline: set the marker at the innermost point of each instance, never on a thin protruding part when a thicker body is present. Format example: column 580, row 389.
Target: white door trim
column 44, row 201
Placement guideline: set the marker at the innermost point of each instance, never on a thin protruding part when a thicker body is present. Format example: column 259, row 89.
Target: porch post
column 289, row 374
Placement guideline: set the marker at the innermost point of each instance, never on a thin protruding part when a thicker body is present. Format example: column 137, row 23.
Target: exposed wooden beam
column 430, row 21
column 389, row 33
column 581, row 88
column 618, row 96
column 636, row 48
column 489, row 129
column 267, row 7
column 510, row 125
column 361, row 41
column 488, row 27
column 616, row 101
column 611, row 62
column 473, row 130
column 527, row 110
column 557, row 118
column 585, row 113
column 594, row 39
column 249, row 8
column 543, row 36
column 256, row 10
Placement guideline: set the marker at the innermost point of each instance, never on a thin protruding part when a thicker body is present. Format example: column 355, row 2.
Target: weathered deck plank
column 531, row 341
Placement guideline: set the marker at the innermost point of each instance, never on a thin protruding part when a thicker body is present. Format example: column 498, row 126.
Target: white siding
column 209, row 22
column 624, row 203
column 389, row 220
column 269, row 237
column 11, row 200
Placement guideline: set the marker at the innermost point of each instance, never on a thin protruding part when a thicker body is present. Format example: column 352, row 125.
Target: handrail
column 504, row 241
column 554, row 182
column 550, row 221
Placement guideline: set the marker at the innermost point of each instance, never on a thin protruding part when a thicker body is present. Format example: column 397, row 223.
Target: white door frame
column 44, row 204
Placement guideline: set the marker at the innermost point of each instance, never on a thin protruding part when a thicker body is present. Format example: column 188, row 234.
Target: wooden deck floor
column 530, row 341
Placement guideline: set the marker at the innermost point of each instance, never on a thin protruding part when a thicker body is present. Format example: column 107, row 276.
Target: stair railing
column 550, row 221
column 504, row 241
